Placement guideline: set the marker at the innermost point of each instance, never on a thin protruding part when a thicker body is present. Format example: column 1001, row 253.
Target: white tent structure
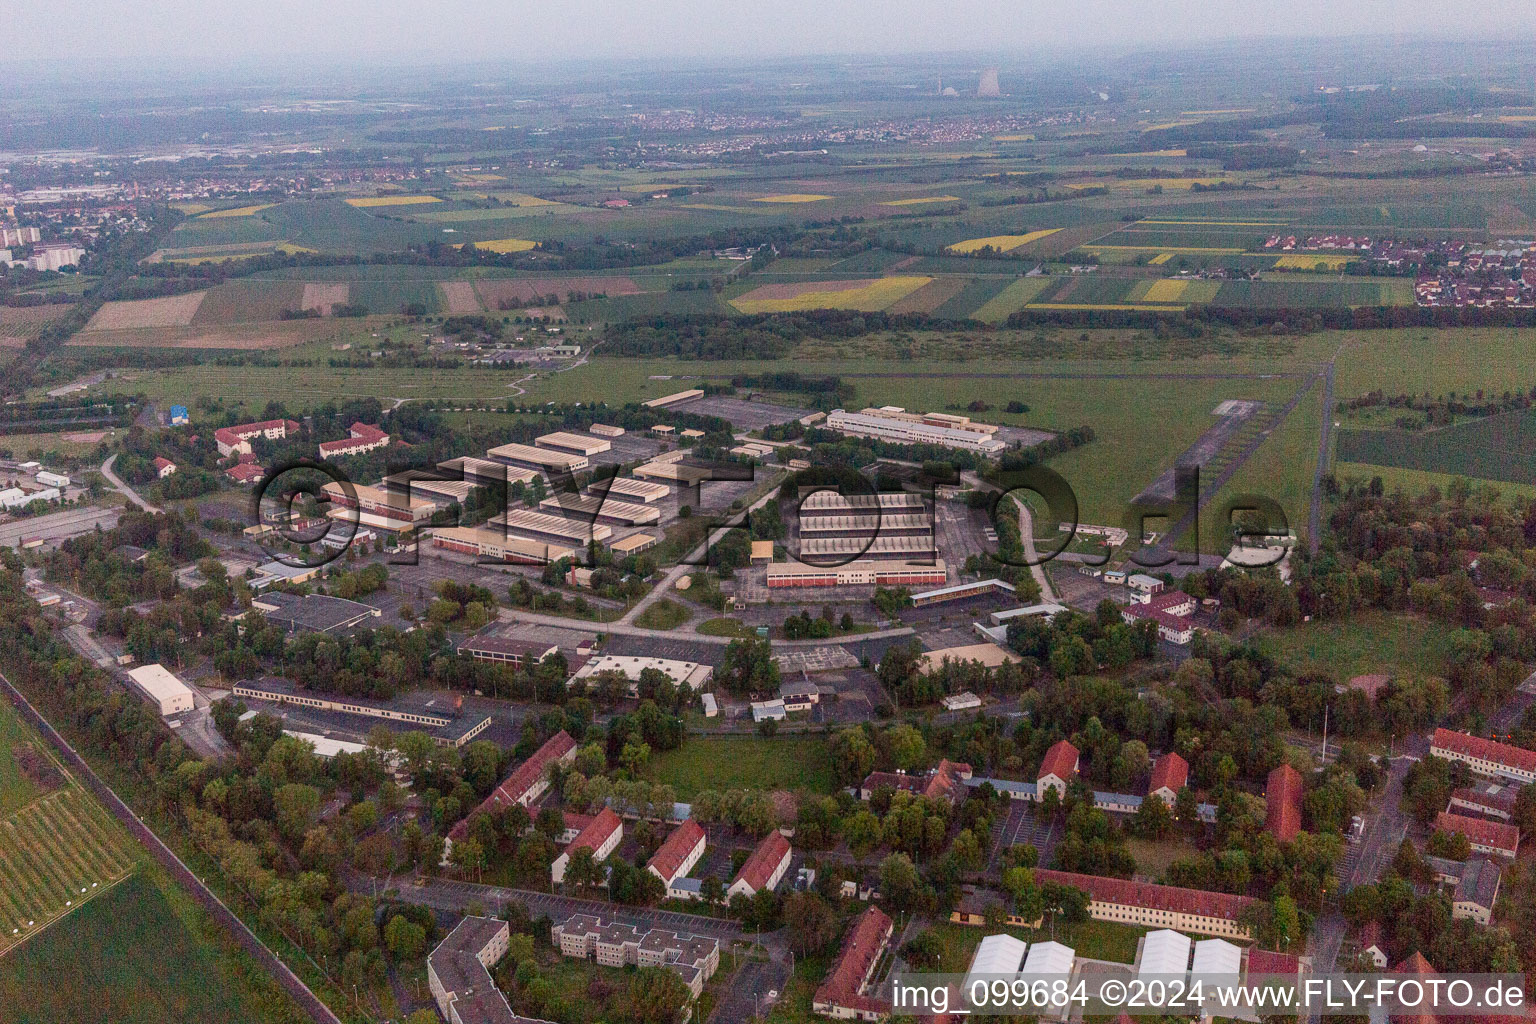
column 1050, row 958
column 997, row 955
column 1164, row 952
column 1215, row 958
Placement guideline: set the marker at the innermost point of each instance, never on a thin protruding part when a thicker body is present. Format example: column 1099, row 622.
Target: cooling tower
column 988, row 86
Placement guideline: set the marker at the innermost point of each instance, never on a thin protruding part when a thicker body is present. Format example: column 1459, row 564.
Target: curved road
column 295, row 987
column 122, row 488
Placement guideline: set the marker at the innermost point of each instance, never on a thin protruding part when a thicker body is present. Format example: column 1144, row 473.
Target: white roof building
column 1000, row 954
column 773, row 709
column 1164, row 952
column 680, row 672
column 1049, row 958
column 1215, row 958
column 161, row 685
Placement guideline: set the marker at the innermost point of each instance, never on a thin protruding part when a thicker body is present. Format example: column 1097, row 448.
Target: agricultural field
column 792, row 197
column 1491, row 448
column 237, row 211
column 261, row 335
column 140, row 953
column 743, row 762
column 59, row 848
column 18, row 323
column 1000, row 243
column 861, row 295
column 170, row 311
column 373, row 201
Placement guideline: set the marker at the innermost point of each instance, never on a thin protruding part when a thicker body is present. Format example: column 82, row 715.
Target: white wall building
column 169, row 693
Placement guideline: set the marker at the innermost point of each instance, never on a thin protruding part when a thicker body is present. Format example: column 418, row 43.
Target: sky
column 210, row 31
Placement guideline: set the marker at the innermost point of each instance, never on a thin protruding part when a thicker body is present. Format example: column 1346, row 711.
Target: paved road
column 57, row 526
column 693, row 562
column 122, row 488
column 452, row 896
column 313, row 1007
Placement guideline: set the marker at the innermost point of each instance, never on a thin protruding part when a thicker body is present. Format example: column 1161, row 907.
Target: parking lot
column 743, row 415
column 629, row 448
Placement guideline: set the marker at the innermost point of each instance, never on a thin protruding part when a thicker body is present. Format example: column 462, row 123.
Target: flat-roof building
column 627, row 488
column 484, row 472
column 448, row 725
column 498, row 545
column 886, row 572
column 507, row 650
column 629, row 666
column 674, row 398
column 524, row 522
column 397, row 510
column 161, row 685
column 634, row 544
column 548, row 460
column 581, row 444
column 904, row 431
column 603, row 509
column 313, row 613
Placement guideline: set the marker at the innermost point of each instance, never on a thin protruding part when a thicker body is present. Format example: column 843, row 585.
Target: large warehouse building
column 882, row 572
column 906, row 431
column 483, row 543
column 524, row 522
column 548, row 460
column 170, row 694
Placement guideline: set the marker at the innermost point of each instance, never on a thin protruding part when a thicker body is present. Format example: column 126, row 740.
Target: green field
column 1405, row 645
column 1095, row 940
column 1492, row 448
column 1413, row 481
column 16, row 790
column 137, row 954
column 744, row 762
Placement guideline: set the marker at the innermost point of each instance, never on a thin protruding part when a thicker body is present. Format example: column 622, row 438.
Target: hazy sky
column 213, row 30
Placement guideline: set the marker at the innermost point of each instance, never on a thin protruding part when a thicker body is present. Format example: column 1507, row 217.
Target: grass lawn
column 1096, row 940
column 744, row 762
column 141, row 953
column 794, row 1005
column 726, row 626
column 1414, row 481
column 16, row 790
column 664, row 614
column 1405, row 645
column 1154, row 856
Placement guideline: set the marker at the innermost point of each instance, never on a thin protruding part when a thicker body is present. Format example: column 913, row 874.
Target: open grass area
column 1413, row 481
column 1154, row 855
column 138, row 954
column 392, row 201
column 18, row 745
column 1095, row 940
column 663, row 614
column 55, row 853
column 1405, row 645
column 744, row 762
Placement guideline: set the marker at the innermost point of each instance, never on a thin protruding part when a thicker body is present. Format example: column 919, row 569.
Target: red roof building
column 764, row 868
column 1491, row 837
column 1058, row 769
column 842, row 993
column 164, row 467
column 364, row 437
column 1265, row 961
column 526, row 782
column 598, row 832
column 1170, row 773
column 1282, row 795
column 245, row 473
column 1156, row 906
column 1486, row 757
column 679, row 853
column 238, row 438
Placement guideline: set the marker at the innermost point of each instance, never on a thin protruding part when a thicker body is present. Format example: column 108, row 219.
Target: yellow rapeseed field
column 1174, row 290
column 392, row 201
column 1160, row 259
column 505, row 245
column 1311, row 261
column 922, row 199
column 874, row 296
column 238, row 211
column 792, row 197
column 1002, row 243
